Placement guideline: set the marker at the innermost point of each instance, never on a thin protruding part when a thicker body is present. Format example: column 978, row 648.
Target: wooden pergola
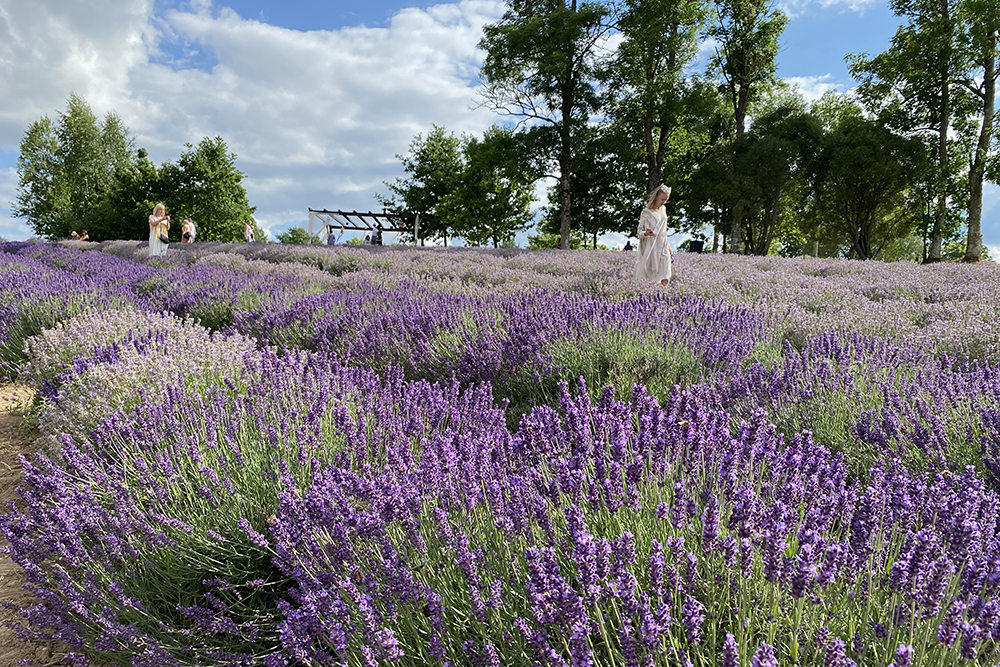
column 364, row 222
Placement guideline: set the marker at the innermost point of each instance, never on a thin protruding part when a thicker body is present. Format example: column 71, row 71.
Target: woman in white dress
column 159, row 222
column 653, row 262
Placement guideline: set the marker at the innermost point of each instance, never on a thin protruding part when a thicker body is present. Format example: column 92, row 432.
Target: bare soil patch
column 15, row 440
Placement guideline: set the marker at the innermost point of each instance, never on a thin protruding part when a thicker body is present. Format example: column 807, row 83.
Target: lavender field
column 266, row 455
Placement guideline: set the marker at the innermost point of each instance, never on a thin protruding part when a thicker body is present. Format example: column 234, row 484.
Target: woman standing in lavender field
column 653, row 262
column 159, row 223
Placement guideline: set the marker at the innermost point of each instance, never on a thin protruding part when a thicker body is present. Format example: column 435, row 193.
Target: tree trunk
column 741, row 105
column 815, row 248
column 944, row 122
column 565, row 205
column 974, row 239
column 566, row 156
column 736, row 235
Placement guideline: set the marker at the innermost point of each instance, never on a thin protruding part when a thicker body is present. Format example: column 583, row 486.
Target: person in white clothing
column 653, row 262
column 159, row 225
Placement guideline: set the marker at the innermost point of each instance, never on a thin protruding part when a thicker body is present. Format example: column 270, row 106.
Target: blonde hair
column 159, row 207
column 655, row 191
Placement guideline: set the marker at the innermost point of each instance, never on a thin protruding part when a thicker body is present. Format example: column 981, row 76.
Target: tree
column 912, row 85
column 866, row 172
column 492, row 199
column 984, row 19
column 540, row 67
column 206, row 186
column 433, row 165
column 745, row 62
column 67, row 169
column 81, row 174
column 42, row 195
column 779, row 150
column 648, row 78
column 297, row 236
column 125, row 210
column 607, row 186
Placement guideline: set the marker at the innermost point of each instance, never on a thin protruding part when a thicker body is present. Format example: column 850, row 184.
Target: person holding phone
column 654, row 261
column 159, row 225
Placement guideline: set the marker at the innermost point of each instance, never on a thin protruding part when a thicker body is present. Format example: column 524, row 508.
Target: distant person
column 159, row 225
column 187, row 231
column 330, row 239
column 84, row 236
column 378, row 236
column 248, row 231
column 628, row 246
column 74, row 236
column 368, row 239
column 654, row 261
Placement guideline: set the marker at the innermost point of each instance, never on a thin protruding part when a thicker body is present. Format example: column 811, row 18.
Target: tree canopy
column 77, row 173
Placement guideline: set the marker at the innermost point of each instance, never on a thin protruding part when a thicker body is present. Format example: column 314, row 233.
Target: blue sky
column 316, row 98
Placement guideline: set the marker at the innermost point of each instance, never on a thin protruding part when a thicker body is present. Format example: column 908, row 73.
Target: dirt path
column 14, row 440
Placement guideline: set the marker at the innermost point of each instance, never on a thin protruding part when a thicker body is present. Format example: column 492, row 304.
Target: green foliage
column 547, row 241
column 606, row 189
column 206, row 186
column 745, row 66
column 477, row 189
column 492, row 197
column 919, row 85
column 297, row 236
column 654, row 98
column 541, row 67
column 617, row 359
column 67, row 169
column 80, row 174
column 866, row 170
column 775, row 158
column 433, row 165
column 41, row 194
column 126, row 209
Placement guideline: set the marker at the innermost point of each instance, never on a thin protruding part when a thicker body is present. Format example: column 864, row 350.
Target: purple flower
column 836, row 653
column 693, row 615
column 710, row 524
column 904, row 656
column 730, row 652
column 764, row 657
column 951, row 624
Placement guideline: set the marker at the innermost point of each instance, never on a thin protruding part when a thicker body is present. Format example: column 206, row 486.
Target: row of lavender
column 213, row 502
column 949, row 307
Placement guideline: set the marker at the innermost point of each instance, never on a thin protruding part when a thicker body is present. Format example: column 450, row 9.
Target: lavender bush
column 100, row 362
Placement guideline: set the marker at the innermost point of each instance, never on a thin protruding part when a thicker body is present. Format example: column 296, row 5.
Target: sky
column 317, row 98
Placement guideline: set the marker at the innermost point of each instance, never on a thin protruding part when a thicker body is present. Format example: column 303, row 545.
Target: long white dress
column 156, row 246
column 653, row 263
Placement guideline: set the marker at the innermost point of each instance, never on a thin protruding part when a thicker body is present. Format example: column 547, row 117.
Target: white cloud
column 794, row 8
column 315, row 118
column 812, row 87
